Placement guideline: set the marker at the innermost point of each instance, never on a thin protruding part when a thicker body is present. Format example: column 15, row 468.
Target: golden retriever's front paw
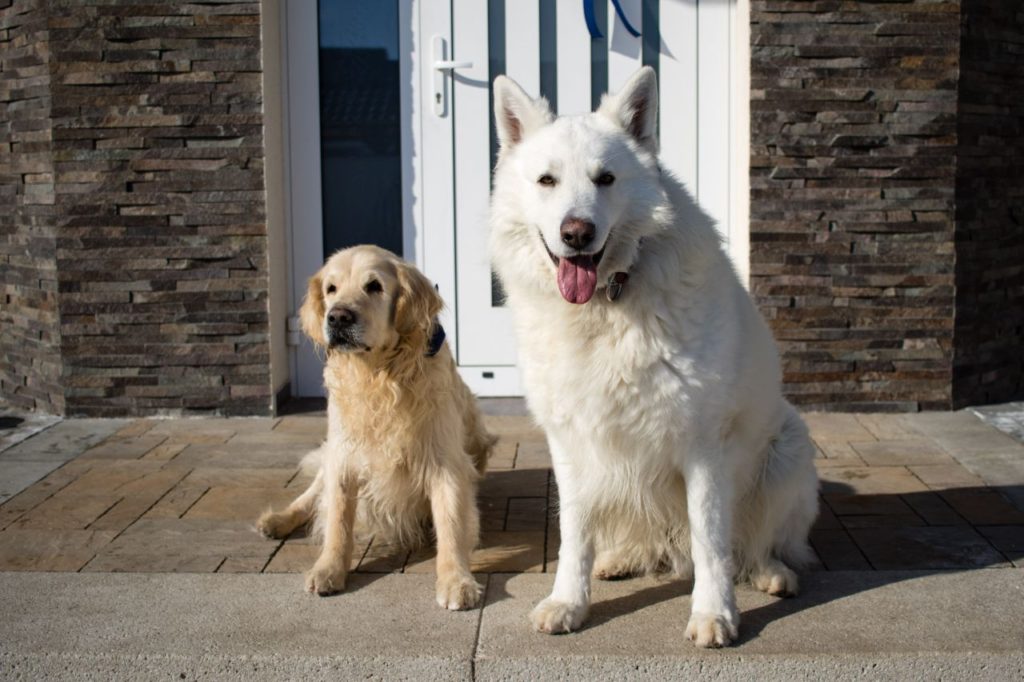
column 457, row 593
column 273, row 525
column 777, row 580
column 326, row 578
column 552, row 616
column 709, row 630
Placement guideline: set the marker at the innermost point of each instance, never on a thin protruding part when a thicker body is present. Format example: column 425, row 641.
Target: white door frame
column 429, row 207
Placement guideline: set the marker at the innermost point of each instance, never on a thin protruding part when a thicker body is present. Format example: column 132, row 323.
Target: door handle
column 443, row 66
column 448, row 65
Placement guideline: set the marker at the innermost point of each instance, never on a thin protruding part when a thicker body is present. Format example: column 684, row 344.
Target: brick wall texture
column 886, row 203
column 143, row 167
column 885, row 229
column 30, row 364
column 988, row 364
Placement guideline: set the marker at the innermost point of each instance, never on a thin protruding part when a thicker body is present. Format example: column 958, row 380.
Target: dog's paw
column 610, row 566
column 457, row 593
column 326, row 579
column 711, row 630
column 777, row 580
column 552, row 616
column 273, row 525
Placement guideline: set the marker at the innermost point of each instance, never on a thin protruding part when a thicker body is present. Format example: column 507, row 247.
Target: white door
column 570, row 52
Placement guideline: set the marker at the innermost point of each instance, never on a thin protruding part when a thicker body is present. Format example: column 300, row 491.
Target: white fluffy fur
column 671, row 442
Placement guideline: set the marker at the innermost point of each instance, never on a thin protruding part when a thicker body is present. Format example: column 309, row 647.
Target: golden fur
column 405, row 441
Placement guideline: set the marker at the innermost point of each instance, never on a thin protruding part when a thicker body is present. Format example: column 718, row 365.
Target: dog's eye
column 546, row 180
column 604, row 179
column 331, row 288
column 373, row 287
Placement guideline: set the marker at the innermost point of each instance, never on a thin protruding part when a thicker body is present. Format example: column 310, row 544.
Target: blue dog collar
column 436, row 340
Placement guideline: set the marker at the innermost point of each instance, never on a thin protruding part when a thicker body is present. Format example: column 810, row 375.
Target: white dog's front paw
column 552, row 616
column 457, row 592
column 710, row 630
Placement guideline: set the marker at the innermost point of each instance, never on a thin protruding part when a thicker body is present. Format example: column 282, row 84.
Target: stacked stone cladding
column 30, row 364
column 853, row 160
column 989, row 331
column 159, row 236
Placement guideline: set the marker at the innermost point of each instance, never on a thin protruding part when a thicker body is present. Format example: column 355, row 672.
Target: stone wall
column 157, row 197
column 853, row 157
column 30, row 364
column 989, row 333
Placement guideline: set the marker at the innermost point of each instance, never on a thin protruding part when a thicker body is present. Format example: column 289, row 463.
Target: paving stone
column 837, row 453
column 831, row 426
column 15, row 476
column 124, row 448
column 239, row 504
column 276, row 477
column 944, row 476
column 105, row 475
column 1007, row 539
column 67, row 511
column 869, row 480
column 837, row 551
column 64, row 441
column 181, row 545
column 983, row 506
column 379, row 557
column 888, row 426
column 166, row 451
column 526, row 513
column 933, row 509
column 61, row 550
column 499, row 552
column 313, row 426
column 844, row 505
column 902, row 452
column 296, row 558
column 134, row 428
column 515, row 483
column 926, row 548
column 34, row 495
column 533, row 454
column 503, row 456
column 826, row 519
column 176, row 502
column 31, row 424
column 138, row 497
column 246, row 564
column 212, row 425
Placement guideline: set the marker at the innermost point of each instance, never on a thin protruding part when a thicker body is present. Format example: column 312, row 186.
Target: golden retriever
column 405, row 441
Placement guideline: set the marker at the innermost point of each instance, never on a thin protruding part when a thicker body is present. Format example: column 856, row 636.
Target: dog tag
column 615, row 284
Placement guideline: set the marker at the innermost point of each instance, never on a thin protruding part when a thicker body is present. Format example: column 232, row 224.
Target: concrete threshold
column 846, row 625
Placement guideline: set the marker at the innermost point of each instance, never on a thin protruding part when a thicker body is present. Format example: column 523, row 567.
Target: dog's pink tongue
column 577, row 278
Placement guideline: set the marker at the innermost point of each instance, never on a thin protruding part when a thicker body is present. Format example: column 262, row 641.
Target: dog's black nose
column 577, row 233
column 341, row 317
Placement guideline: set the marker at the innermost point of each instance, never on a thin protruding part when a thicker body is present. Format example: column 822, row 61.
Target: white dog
column 645, row 361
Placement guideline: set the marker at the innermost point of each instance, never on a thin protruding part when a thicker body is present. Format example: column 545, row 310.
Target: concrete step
column 846, row 625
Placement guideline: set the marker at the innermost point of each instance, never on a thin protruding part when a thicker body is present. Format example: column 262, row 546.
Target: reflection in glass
column 360, row 135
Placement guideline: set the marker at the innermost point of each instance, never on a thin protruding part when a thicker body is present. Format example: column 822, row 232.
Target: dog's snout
column 341, row 317
column 577, row 233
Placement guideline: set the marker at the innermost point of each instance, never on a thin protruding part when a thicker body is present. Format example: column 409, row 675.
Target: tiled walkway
column 898, row 492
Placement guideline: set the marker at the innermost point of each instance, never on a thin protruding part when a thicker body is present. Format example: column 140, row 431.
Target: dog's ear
column 417, row 305
column 515, row 113
column 635, row 108
column 311, row 314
